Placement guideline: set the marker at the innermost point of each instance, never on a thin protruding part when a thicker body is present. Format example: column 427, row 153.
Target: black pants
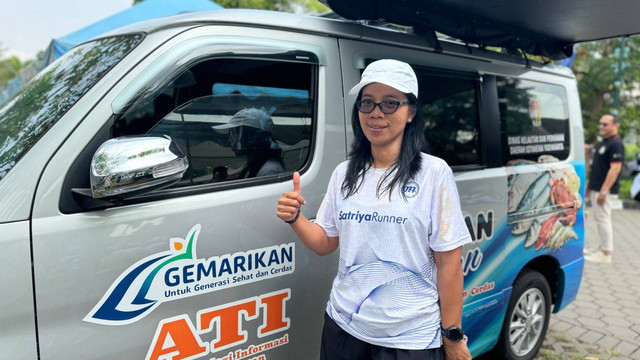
column 337, row 344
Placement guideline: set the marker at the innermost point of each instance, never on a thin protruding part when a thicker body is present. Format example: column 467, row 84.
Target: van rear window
column 450, row 112
column 534, row 121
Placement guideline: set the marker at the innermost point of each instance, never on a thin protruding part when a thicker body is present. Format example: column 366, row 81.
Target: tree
column 307, row 6
column 596, row 66
column 10, row 67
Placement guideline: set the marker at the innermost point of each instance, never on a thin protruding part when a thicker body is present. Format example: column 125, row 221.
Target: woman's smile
column 377, row 128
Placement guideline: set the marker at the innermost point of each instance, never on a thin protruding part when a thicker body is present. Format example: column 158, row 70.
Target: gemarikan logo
column 178, row 273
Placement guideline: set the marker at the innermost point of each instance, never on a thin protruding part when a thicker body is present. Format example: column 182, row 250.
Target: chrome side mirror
column 127, row 166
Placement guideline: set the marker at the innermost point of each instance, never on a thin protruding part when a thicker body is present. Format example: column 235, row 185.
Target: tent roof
column 539, row 27
column 145, row 10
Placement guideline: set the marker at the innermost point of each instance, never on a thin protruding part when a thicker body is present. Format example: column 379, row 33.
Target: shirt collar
column 612, row 137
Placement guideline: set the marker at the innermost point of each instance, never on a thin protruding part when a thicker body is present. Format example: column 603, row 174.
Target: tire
column 527, row 318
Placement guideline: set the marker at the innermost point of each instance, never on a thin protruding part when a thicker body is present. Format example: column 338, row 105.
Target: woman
column 396, row 215
column 250, row 136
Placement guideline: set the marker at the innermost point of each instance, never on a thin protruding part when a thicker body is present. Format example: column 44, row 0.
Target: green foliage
column 256, row 4
column 563, row 338
column 306, row 6
column 625, row 188
column 313, row 6
column 596, row 67
column 630, row 151
column 545, row 354
column 614, row 352
column 10, row 67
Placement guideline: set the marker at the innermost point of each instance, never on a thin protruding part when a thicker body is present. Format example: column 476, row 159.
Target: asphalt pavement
column 603, row 322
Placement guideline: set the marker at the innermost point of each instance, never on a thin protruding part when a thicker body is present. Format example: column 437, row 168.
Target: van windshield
column 53, row 92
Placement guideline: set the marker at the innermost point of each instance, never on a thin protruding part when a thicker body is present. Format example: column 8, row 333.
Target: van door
column 17, row 333
column 203, row 268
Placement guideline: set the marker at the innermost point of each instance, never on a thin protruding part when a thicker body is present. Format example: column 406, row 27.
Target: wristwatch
column 452, row 333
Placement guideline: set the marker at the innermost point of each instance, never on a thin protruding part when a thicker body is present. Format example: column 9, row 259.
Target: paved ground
column 604, row 320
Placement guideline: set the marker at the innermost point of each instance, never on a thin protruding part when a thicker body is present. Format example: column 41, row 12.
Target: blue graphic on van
column 544, row 225
column 178, row 273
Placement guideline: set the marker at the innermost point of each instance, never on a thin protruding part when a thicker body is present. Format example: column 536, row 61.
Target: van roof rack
column 384, row 24
column 548, row 28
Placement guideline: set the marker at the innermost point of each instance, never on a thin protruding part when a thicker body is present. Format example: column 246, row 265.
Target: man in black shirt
column 604, row 185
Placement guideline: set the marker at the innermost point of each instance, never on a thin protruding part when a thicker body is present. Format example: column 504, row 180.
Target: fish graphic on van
column 543, row 203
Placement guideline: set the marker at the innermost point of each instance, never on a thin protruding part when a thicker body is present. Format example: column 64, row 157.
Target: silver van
column 137, row 220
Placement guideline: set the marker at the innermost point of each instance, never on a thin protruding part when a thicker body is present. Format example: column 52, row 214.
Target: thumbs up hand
column 290, row 202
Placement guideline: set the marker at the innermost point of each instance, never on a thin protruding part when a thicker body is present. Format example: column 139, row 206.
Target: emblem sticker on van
column 178, row 273
column 535, row 111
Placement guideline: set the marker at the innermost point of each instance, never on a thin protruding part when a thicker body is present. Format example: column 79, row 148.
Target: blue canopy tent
column 145, row 10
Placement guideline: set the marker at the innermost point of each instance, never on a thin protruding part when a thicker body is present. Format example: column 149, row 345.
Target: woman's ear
column 412, row 113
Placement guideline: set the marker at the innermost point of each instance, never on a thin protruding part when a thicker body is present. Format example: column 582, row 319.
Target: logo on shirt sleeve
column 616, row 156
column 411, row 189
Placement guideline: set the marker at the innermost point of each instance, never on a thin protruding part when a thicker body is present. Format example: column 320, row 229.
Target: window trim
column 490, row 122
column 188, row 53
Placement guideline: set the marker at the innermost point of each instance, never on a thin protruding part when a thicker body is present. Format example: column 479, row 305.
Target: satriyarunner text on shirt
column 357, row 216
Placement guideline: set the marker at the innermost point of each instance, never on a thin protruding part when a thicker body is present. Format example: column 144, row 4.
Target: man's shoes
column 591, row 251
column 598, row 257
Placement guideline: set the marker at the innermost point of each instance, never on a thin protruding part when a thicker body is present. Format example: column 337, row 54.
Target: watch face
column 453, row 333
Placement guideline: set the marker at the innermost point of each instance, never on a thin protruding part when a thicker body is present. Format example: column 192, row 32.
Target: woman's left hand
column 456, row 350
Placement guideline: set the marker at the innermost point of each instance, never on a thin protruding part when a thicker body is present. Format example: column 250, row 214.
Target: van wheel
column 527, row 319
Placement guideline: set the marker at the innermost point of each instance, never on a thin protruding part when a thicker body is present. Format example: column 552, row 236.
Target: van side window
column 232, row 118
column 450, row 111
column 534, row 120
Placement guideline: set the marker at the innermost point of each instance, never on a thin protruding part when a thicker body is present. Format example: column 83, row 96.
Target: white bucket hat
column 397, row 74
column 251, row 117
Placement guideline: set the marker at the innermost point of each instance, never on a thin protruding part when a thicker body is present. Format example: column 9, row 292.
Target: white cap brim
column 225, row 126
column 398, row 86
column 396, row 74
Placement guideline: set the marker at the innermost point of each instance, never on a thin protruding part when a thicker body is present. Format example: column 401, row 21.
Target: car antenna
column 526, row 59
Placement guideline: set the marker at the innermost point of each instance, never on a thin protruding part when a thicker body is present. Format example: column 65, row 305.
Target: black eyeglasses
column 603, row 124
column 387, row 106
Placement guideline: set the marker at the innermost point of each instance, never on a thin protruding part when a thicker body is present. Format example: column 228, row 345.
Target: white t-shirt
column 385, row 291
column 270, row 167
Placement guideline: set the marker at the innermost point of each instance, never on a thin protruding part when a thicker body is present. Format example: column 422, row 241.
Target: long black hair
column 406, row 166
